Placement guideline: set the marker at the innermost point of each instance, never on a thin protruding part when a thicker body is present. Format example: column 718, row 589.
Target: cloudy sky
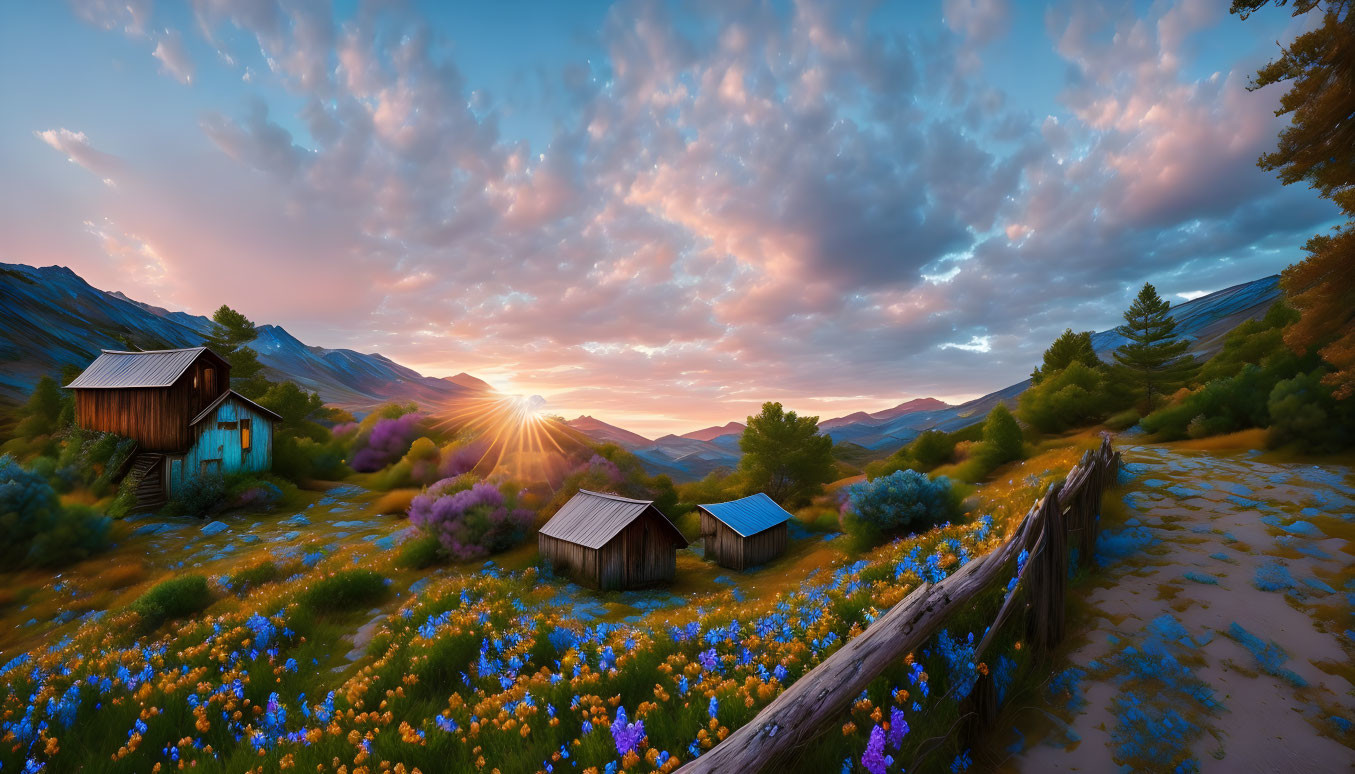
column 659, row 214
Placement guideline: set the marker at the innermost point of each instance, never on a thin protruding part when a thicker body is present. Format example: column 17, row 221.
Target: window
column 246, row 436
column 209, row 379
column 225, row 425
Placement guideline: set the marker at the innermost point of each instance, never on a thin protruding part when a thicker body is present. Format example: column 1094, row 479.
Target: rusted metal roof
column 749, row 515
column 590, row 519
column 207, row 412
column 154, row 368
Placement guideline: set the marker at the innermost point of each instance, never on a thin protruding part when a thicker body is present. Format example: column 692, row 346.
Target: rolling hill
column 52, row 318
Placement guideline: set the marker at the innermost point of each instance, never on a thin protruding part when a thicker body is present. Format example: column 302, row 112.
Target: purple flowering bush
column 469, row 520
column 386, row 443
column 461, row 457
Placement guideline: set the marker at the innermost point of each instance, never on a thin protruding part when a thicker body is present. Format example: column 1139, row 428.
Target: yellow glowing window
column 246, row 434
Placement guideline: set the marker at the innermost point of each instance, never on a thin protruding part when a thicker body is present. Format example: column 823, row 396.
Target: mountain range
column 52, row 318
column 1203, row 321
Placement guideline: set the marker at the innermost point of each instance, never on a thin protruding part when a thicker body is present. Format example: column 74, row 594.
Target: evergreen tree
column 1067, row 349
column 1001, row 437
column 784, row 455
column 1318, row 147
column 1154, row 360
column 231, row 334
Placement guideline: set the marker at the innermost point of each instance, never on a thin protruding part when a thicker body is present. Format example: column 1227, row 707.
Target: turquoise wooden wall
column 216, row 443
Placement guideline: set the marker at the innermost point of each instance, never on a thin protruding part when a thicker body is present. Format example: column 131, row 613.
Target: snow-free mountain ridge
column 52, row 318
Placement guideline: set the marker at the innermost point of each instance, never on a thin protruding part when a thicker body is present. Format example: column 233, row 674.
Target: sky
column 658, row 214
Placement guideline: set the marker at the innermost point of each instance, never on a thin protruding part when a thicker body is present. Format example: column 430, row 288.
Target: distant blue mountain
column 52, row 318
column 1203, row 321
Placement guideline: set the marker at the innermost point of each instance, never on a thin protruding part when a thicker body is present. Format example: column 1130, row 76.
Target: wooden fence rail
column 1065, row 517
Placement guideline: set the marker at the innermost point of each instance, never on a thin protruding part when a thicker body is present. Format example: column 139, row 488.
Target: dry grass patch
column 395, row 501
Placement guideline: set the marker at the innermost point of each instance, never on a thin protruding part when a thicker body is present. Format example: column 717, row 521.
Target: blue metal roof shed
column 748, row 515
column 745, row 532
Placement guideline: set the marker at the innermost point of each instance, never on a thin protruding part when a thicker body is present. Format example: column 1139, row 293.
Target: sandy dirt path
column 1220, row 635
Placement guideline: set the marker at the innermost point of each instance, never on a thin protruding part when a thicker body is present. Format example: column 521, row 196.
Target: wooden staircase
column 150, row 492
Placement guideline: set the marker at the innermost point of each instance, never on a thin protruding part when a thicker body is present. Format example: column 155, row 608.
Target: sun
column 526, row 408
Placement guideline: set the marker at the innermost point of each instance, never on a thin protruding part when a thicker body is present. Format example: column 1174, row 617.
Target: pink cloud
column 776, row 203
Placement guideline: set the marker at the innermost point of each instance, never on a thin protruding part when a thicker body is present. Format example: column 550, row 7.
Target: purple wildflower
column 874, row 759
column 626, row 735
column 898, row 728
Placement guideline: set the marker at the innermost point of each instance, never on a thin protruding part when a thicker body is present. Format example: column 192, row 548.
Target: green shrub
column 418, row 553
column 932, row 448
column 306, row 459
column 199, row 496
column 37, row 529
column 903, row 501
column 124, row 502
column 88, row 459
column 175, row 598
column 344, row 590
column 689, row 524
column 1258, row 342
column 1221, row 406
column 1123, row 420
column 204, row 496
column 818, row 519
column 255, row 576
column 1002, row 442
column 1305, row 416
column 1076, row 396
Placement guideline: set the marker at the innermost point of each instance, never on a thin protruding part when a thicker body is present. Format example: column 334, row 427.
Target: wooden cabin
column 744, row 533
column 178, row 406
column 611, row 542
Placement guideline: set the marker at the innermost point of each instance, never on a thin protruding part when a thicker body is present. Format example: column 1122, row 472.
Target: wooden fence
column 1065, row 517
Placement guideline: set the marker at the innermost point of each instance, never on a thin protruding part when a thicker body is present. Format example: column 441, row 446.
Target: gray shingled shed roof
column 154, row 368
column 590, row 519
column 749, row 515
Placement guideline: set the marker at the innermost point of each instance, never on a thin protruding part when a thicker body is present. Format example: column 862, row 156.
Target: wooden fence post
column 819, row 696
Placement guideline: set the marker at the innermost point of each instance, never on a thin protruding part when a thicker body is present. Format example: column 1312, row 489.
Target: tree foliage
column 1305, row 414
column 784, row 455
column 1254, row 341
column 1318, row 147
column 1067, row 349
column 1074, row 396
column 38, row 529
column 42, row 411
column 904, row 500
column 1154, row 359
column 231, row 334
column 1002, row 437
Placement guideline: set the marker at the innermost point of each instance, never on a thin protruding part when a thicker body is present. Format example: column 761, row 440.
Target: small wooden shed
column 744, row 533
column 611, row 542
column 178, row 406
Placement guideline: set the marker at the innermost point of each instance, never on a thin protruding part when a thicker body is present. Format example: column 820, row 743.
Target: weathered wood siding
column 730, row 549
column 219, row 445
column 155, row 417
column 571, row 559
column 641, row 554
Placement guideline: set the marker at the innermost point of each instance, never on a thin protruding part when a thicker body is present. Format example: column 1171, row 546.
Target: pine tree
column 1067, row 349
column 1154, row 360
column 231, row 334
